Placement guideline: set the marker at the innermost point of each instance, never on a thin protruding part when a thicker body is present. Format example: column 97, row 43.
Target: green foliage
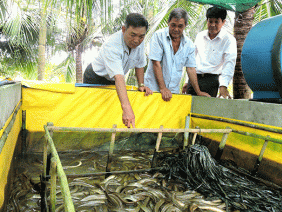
column 266, row 9
column 70, row 23
column 66, row 69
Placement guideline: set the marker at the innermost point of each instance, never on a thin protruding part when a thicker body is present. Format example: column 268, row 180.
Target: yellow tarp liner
column 7, row 153
column 100, row 107
column 242, row 142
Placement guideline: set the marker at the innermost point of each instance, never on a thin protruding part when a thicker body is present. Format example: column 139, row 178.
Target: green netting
column 233, row 5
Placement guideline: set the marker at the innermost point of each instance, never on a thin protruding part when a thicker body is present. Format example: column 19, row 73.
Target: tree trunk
column 42, row 43
column 78, row 53
column 243, row 24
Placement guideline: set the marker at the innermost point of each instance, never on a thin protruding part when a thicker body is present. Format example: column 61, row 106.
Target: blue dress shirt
column 161, row 49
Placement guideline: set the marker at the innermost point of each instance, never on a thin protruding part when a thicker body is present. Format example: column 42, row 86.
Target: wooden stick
column 137, row 130
column 274, row 140
column 237, row 123
column 158, row 143
column 256, row 167
column 68, row 204
column 53, row 174
column 45, row 152
column 111, row 150
column 195, row 135
column 186, row 134
column 221, row 145
column 263, row 149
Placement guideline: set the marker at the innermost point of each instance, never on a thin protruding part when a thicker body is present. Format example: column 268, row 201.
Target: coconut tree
column 82, row 29
column 76, row 9
column 19, row 33
column 242, row 26
column 30, row 30
column 20, row 30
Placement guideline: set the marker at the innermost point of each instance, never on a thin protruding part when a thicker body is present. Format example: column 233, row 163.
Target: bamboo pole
column 158, row 143
column 186, row 134
column 45, row 149
column 254, row 172
column 237, row 123
column 111, row 151
column 159, row 139
column 137, row 130
column 53, row 174
column 195, row 135
column 274, row 140
column 221, row 145
column 61, row 174
column 263, row 149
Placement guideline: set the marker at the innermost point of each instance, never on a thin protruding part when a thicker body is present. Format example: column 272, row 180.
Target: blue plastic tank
column 261, row 59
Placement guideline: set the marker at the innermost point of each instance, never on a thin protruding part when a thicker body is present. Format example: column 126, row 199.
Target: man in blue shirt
column 123, row 51
column 170, row 51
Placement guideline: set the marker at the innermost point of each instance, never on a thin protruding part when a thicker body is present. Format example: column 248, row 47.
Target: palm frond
column 66, row 68
column 267, row 9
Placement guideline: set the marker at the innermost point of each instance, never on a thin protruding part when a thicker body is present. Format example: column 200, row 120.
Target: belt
column 207, row 75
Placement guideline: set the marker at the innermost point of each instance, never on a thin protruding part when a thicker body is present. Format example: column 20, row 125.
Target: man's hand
column 184, row 88
column 145, row 89
column 128, row 117
column 191, row 71
column 166, row 94
column 203, row 94
column 184, row 91
column 223, row 92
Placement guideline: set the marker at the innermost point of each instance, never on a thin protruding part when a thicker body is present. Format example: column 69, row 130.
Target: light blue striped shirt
column 161, row 49
column 114, row 57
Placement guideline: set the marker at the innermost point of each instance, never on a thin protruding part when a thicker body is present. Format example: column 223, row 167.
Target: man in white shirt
column 124, row 50
column 216, row 53
column 170, row 51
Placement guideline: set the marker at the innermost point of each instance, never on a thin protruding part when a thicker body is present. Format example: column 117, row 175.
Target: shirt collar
column 220, row 35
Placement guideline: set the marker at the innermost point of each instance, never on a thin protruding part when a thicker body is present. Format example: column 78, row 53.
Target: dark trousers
column 207, row 82
column 90, row 77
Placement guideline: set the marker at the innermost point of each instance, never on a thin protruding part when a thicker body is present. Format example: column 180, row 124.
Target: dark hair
column 136, row 20
column 216, row 12
column 178, row 13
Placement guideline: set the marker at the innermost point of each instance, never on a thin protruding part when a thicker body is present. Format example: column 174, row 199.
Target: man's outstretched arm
column 128, row 117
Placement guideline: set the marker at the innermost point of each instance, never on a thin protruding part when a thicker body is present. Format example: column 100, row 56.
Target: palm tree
column 81, row 8
column 82, row 31
column 42, row 38
column 19, row 32
column 242, row 26
column 26, row 37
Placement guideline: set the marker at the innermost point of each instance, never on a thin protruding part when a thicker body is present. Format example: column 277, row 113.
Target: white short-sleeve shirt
column 114, row 57
column 161, row 49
